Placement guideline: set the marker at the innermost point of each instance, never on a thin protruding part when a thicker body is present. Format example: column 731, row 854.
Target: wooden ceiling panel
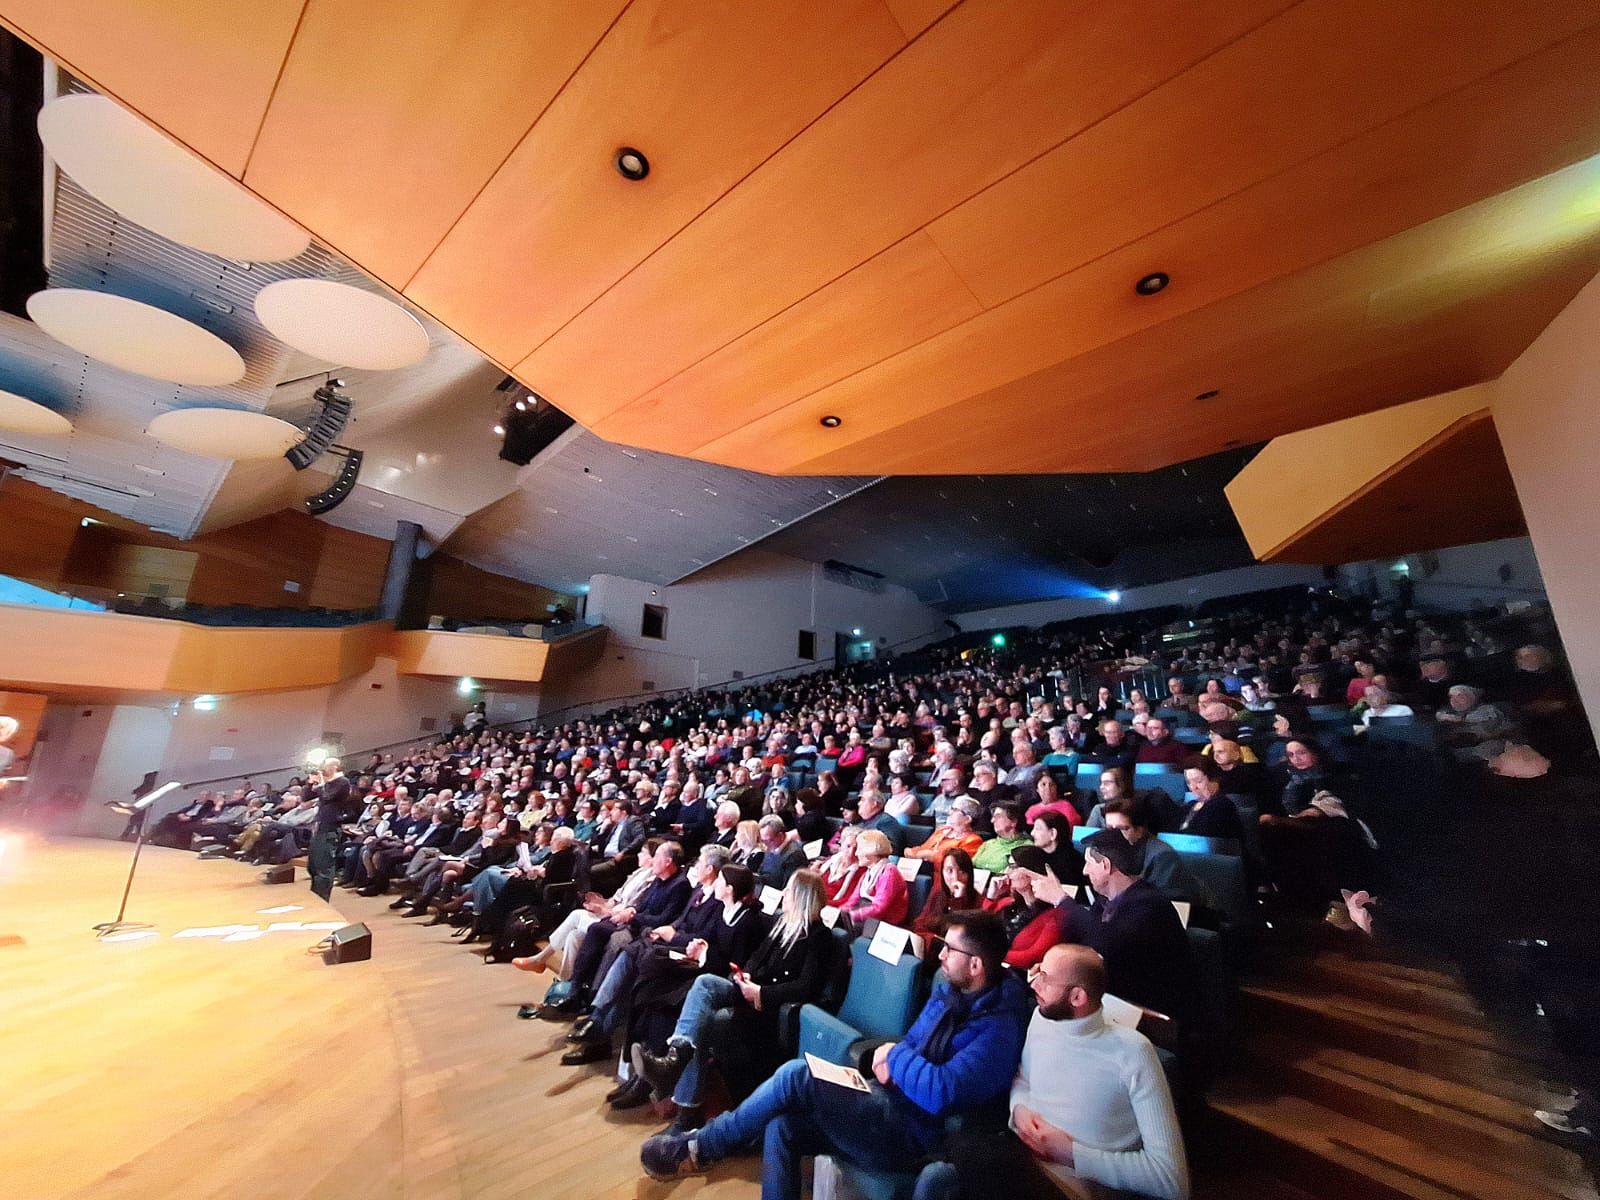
column 706, row 90
column 980, row 94
column 203, row 72
column 1307, row 349
column 1417, row 504
column 1254, row 108
column 1528, row 119
column 390, row 117
column 916, row 15
column 803, row 348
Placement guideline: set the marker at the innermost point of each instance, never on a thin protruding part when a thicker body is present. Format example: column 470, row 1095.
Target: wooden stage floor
column 179, row 1067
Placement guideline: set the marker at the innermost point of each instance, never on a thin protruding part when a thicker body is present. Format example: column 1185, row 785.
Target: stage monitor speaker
column 353, row 943
column 283, row 874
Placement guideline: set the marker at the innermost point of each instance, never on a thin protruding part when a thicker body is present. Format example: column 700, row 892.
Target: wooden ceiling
column 925, row 218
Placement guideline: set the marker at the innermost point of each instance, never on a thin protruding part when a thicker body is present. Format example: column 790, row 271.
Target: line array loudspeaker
column 337, row 492
column 324, row 430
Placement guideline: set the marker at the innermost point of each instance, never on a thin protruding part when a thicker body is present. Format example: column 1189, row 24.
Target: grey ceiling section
column 587, row 506
column 109, row 460
column 962, row 542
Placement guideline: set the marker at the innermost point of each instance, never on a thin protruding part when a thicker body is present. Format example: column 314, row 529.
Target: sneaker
column 1562, row 1122
column 669, row 1156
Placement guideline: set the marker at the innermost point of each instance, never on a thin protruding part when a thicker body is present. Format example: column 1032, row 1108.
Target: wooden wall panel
column 980, row 94
column 28, row 710
column 390, row 117
column 37, row 530
column 459, row 589
column 428, row 652
column 202, row 71
column 708, row 89
column 350, row 570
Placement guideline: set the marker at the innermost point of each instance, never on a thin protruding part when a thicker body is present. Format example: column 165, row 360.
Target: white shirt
column 1103, row 1085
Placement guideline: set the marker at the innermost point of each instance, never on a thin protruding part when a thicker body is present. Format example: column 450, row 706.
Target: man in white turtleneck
column 1090, row 1099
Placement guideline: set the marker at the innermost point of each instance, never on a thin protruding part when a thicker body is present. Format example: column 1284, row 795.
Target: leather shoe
column 588, row 1052
column 661, row 1071
column 399, row 904
column 527, row 1012
column 585, row 1030
column 633, row 1094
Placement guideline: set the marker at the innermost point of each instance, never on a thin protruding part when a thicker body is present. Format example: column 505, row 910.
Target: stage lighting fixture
column 337, row 492
column 998, row 641
column 1114, row 596
column 531, row 425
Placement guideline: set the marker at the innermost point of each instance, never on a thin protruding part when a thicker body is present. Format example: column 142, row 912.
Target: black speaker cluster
column 337, row 492
column 325, row 426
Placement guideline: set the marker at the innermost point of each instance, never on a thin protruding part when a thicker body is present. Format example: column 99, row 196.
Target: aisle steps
column 1375, row 1080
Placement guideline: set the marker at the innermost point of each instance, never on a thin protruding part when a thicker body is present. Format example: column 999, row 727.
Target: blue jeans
column 791, row 1115
column 706, row 996
column 486, row 887
column 616, row 989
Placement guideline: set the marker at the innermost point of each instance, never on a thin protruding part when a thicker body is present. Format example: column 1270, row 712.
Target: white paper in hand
column 1119, row 1012
column 813, row 850
column 909, row 868
column 830, row 915
column 771, row 897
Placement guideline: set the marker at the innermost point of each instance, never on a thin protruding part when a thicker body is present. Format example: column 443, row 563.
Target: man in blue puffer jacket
column 959, row 1056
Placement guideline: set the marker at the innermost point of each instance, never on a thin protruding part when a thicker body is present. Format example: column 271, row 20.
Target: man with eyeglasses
column 1090, row 1101
column 959, row 1057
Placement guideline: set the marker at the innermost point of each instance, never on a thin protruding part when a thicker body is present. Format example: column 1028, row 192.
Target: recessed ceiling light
column 1152, row 283
column 1211, row 395
column 499, row 431
column 632, row 164
column 831, row 422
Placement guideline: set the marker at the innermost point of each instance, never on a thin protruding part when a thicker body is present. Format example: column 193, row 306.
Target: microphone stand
column 108, row 928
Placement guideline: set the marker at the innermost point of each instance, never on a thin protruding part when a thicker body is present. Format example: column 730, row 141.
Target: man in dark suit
column 662, row 903
column 333, row 810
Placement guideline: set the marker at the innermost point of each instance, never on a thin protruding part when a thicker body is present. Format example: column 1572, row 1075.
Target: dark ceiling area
column 963, row 542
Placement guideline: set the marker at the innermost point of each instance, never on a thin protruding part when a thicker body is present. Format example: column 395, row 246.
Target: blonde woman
column 881, row 894
column 789, row 967
column 747, row 849
column 842, row 869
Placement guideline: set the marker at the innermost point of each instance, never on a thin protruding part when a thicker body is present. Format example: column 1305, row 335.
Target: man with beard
column 1089, row 1101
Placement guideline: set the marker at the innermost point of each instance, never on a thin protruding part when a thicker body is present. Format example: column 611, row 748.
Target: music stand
column 139, row 806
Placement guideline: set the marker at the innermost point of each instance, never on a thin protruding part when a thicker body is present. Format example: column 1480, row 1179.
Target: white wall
column 1544, row 411
column 1190, row 591
column 135, row 742
column 1466, row 577
column 260, row 731
column 744, row 615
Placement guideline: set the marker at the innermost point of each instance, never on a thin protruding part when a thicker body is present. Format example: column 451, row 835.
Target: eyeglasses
column 949, row 949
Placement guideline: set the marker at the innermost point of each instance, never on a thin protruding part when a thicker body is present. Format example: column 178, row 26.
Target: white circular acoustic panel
column 135, row 336
column 224, row 432
column 342, row 325
column 18, row 414
column 136, row 171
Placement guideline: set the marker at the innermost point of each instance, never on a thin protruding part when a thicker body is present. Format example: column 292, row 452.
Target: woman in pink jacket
column 881, row 893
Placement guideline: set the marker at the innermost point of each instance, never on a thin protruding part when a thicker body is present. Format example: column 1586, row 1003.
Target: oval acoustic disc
column 224, row 432
column 342, row 325
column 135, row 336
column 140, row 173
column 18, row 414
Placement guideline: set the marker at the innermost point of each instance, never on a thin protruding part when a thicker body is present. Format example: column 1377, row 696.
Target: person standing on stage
column 333, row 810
